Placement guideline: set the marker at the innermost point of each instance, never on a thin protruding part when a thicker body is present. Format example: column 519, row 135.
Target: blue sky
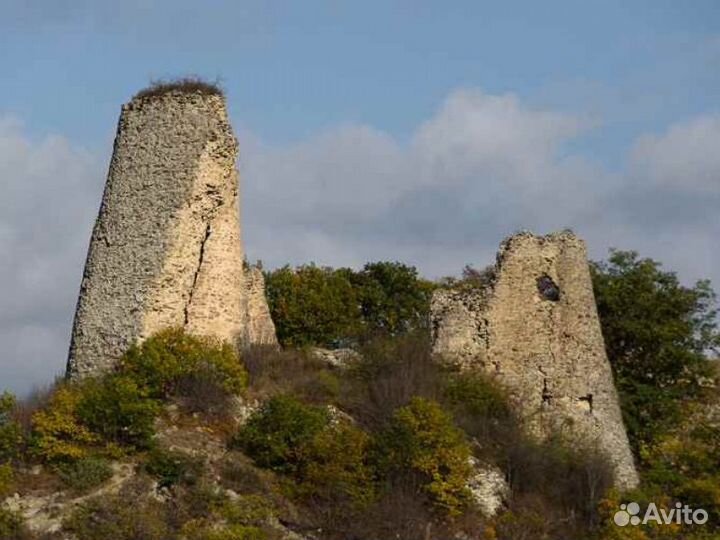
column 420, row 131
column 292, row 68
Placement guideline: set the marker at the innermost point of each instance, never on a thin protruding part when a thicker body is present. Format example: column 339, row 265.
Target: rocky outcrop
column 488, row 487
column 166, row 248
column 535, row 327
column 335, row 358
column 44, row 513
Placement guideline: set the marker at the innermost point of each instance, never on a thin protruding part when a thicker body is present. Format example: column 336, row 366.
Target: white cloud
column 481, row 167
column 685, row 157
column 51, row 193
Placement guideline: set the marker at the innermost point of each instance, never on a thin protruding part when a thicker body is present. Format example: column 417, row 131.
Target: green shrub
column 7, row 477
column 335, row 467
column 275, row 435
column 172, row 468
column 114, row 517
column 422, row 441
column 118, row 409
column 312, row 305
column 11, row 437
column 11, row 526
column 202, row 531
column 479, row 395
column 247, row 510
column 85, row 473
column 482, row 408
column 162, row 362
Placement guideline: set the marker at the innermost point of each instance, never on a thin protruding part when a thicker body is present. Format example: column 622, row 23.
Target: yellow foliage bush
column 57, row 433
column 6, row 479
column 423, row 439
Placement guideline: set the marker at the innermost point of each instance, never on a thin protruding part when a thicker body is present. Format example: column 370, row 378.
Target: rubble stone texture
column 536, row 328
column 166, row 248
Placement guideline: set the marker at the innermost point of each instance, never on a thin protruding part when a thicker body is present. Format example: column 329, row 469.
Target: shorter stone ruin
column 535, row 327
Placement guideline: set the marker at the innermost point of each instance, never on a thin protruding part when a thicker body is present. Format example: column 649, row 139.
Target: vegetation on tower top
column 186, row 85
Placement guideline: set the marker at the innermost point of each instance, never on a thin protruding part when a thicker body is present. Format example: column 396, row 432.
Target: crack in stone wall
column 208, row 232
column 535, row 327
column 166, row 250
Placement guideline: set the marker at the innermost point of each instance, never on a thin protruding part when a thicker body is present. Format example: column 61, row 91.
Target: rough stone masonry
column 535, row 326
column 166, row 248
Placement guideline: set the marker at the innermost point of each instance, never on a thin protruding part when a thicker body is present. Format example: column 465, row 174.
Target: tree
column 658, row 334
column 312, row 305
column 394, row 300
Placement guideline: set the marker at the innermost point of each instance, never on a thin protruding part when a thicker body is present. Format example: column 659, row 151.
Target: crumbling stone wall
column 258, row 327
column 166, row 247
column 535, row 326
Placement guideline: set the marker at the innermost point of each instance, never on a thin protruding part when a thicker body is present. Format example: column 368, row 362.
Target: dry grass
column 391, row 373
column 186, row 85
column 291, row 371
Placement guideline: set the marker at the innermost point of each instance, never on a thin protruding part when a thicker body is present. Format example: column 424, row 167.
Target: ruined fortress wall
column 258, row 327
column 166, row 248
column 536, row 328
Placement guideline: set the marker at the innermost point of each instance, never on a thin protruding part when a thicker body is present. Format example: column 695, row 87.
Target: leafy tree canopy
column 658, row 334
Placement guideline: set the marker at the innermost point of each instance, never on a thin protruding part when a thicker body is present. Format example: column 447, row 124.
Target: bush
column 163, row 363
column 312, row 305
column 392, row 371
column 85, row 473
column 11, row 437
column 58, row 434
column 335, row 468
column 568, row 478
column 113, row 517
column 275, row 436
column 117, row 409
column 482, row 408
column 247, row 510
column 7, row 477
column 11, row 526
column 202, row 531
column 422, row 441
column 172, row 468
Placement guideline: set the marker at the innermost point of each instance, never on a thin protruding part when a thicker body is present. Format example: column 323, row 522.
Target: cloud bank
column 482, row 167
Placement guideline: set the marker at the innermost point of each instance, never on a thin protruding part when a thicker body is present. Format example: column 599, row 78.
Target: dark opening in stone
column 548, row 288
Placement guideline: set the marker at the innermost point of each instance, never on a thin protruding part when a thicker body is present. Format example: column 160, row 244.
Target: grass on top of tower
column 187, row 85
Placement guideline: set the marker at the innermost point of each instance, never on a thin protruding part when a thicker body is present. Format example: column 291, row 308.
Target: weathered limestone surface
column 166, row 248
column 536, row 328
column 258, row 327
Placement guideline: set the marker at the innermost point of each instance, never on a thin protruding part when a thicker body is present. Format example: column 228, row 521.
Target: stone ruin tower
column 166, row 248
column 535, row 326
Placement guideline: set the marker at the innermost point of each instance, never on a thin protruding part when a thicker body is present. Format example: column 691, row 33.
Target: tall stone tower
column 535, row 326
column 166, row 248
